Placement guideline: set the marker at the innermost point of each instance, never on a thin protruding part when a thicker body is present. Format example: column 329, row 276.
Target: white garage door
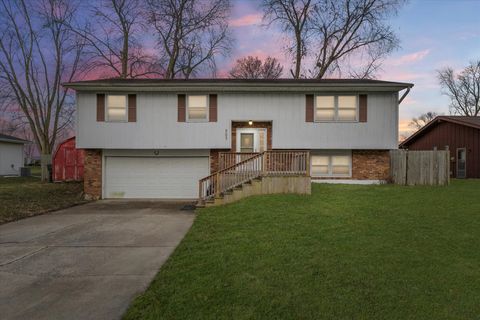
column 161, row 177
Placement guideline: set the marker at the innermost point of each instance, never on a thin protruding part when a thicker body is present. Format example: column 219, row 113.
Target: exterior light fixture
column 250, row 122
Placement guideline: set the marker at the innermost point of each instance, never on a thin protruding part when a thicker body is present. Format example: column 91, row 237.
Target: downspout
column 404, row 95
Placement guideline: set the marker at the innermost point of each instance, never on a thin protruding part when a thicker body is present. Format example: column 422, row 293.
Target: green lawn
column 22, row 197
column 346, row 252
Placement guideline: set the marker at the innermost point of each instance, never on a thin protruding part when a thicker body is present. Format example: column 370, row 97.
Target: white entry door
column 154, row 177
column 251, row 140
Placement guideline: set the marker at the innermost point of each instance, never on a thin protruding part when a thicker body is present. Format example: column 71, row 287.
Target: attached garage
column 161, row 177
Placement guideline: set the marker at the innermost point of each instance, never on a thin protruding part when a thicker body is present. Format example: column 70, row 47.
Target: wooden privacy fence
column 430, row 167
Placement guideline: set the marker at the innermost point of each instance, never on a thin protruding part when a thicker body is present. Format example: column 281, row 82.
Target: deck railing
column 228, row 159
column 261, row 164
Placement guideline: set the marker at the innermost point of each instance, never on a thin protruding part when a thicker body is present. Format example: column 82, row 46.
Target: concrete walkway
column 86, row 262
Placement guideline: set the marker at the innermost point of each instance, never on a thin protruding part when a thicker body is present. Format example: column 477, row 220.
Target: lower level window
column 331, row 165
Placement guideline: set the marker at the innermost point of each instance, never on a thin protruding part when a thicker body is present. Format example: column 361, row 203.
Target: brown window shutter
column 212, row 108
column 309, row 108
column 362, row 106
column 100, row 107
column 181, row 108
column 132, row 108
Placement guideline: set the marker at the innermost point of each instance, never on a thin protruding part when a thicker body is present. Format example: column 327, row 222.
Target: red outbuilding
column 459, row 134
column 67, row 162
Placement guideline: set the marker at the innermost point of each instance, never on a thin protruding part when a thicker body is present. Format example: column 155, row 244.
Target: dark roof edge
column 12, row 139
column 234, row 83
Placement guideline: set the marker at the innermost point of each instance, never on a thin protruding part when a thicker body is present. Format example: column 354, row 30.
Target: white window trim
column 107, row 117
column 335, row 99
column 187, row 107
column 330, row 174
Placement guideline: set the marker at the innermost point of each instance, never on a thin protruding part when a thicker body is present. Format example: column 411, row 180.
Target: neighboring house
column 11, row 155
column 149, row 138
column 460, row 134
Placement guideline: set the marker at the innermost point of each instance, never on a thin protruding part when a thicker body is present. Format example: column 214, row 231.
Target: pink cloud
column 248, row 20
column 410, row 58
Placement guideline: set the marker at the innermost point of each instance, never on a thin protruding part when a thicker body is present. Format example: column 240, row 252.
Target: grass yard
column 346, row 252
column 22, row 197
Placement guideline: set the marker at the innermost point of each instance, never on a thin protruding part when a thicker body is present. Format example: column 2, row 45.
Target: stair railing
column 272, row 162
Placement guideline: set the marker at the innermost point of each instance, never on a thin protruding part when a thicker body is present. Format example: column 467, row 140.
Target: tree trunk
column 45, row 160
column 298, row 60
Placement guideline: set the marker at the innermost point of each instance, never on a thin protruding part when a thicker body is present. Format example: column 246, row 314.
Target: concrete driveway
column 86, row 262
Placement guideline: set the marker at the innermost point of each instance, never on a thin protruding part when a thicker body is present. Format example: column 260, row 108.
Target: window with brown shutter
column 181, row 108
column 132, row 108
column 309, row 108
column 212, row 108
column 362, row 106
column 100, row 107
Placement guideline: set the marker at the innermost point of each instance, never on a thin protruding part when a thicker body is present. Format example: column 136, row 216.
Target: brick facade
column 92, row 174
column 371, row 164
column 367, row 165
column 214, row 159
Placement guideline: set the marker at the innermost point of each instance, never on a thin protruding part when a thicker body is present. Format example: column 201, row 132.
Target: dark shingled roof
column 156, row 81
column 12, row 139
column 473, row 122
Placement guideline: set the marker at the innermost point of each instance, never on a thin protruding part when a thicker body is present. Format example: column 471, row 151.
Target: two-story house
column 154, row 138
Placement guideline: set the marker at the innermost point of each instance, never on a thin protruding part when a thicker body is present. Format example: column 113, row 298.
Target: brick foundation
column 92, row 174
column 371, row 164
column 214, row 158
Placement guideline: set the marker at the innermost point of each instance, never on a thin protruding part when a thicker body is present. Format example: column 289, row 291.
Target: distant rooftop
column 12, row 139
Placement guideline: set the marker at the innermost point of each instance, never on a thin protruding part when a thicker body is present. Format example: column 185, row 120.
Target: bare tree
column 191, row 33
column 337, row 32
column 37, row 53
column 112, row 38
column 294, row 17
column 462, row 89
column 253, row 68
column 422, row 120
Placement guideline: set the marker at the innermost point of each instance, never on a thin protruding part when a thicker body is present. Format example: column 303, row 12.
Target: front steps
column 262, row 185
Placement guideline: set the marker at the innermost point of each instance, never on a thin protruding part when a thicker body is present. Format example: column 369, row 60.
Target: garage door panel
column 168, row 178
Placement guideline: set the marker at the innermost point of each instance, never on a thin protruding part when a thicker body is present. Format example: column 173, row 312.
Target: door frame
column 458, row 162
column 256, row 140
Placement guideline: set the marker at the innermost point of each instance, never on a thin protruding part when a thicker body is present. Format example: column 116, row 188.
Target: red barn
column 461, row 135
column 67, row 163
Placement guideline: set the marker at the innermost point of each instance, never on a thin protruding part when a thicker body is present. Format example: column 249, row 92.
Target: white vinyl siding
column 336, row 108
column 331, row 164
column 157, row 126
column 116, row 108
column 197, row 108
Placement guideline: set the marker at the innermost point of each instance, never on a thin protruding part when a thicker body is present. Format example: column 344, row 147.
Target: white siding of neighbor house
column 157, row 126
column 10, row 154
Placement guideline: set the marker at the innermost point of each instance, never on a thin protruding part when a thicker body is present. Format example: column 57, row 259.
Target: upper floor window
column 197, row 108
column 116, row 108
column 336, row 108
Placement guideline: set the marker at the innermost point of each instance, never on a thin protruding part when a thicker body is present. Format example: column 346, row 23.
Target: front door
column 461, row 163
column 251, row 140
